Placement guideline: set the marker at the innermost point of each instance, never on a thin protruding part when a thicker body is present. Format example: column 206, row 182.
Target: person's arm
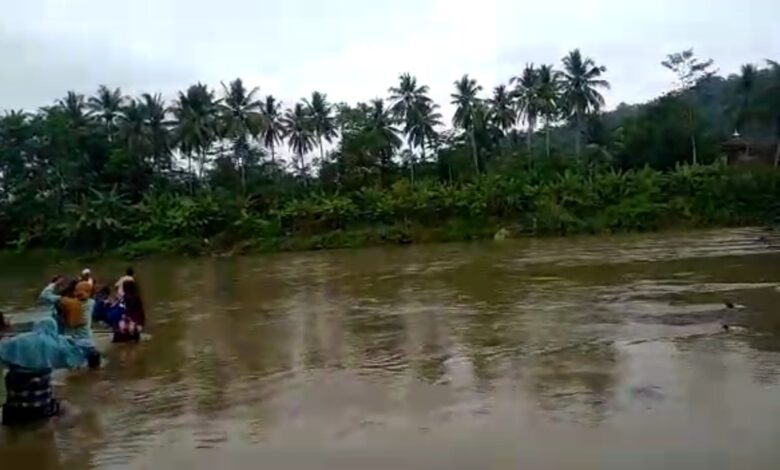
column 48, row 297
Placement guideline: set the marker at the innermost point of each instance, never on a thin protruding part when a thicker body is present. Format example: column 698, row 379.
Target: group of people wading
column 63, row 339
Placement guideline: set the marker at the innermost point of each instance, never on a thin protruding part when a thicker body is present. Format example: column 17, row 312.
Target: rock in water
column 502, row 235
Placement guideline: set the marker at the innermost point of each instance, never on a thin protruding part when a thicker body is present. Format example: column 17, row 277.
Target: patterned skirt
column 29, row 397
column 127, row 330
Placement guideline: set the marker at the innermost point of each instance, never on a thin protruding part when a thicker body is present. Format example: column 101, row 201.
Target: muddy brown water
column 586, row 353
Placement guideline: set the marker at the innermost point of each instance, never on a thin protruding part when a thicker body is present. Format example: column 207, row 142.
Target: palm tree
column 73, row 107
column 155, row 112
column 196, row 114
column 407, row 94
column 380, row 128
column 421, row 125
column 746, row 85
column 299, row 133
column 133, row 130
column 528, row 103
column 411, row 105
column 502, row 110
column 273, row 126
column 322, row 120
column 239, row 110
column 548, row 89
column 466, row 100
column 240, row 119
column 580, row 83
column 106, row 107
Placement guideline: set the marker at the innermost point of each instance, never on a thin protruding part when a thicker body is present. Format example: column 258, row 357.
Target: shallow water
column 602, row 353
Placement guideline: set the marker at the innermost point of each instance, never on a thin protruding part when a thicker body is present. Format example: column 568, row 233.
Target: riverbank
column 578, row 200
column 350, row 239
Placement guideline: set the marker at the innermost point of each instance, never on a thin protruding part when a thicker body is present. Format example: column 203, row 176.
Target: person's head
column 104, row 291
column 86, row 274
column 69, row 289
column 130, row 271
column 57, row 280
column 82, row 290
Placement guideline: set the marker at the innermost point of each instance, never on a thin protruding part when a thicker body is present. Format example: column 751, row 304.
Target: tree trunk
column 529, row 137
column 322, row 153
column 474, row 149
column 547, row 137
column 243, row 176
column 694, row 155
column 189, row 170
column 273, row 154
column 579, row 133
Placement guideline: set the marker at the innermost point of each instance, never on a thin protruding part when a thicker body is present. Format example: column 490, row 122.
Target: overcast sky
column 354, row 49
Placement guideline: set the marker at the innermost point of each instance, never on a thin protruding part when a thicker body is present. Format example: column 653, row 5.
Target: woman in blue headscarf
column 31, row 358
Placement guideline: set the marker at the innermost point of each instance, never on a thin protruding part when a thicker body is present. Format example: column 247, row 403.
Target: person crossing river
column 31, row 358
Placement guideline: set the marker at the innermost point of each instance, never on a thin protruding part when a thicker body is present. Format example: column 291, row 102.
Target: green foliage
column 209, row 173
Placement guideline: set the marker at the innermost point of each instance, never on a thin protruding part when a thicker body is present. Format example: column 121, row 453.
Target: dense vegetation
column 211, row 171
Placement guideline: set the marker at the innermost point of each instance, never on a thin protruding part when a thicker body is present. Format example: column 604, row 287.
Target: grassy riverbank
column 576, row 201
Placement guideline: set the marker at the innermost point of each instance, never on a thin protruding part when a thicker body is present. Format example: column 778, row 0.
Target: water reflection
column 572, row 339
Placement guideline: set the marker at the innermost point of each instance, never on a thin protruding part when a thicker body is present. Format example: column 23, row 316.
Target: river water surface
column 586, row 353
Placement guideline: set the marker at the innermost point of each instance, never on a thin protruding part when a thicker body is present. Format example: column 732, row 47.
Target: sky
column 353, row 50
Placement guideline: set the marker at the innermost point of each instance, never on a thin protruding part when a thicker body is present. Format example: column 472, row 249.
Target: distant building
column 744, row 152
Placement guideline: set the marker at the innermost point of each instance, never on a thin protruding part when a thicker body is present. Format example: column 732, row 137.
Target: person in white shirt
column 129, row 276
column 86, row 276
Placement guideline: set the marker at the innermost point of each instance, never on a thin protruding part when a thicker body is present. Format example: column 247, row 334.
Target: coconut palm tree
column 526, row 93
column 195, row 113
column 239, row 110
column 502, row 109
column 158, row 128
column 273, row 127
column 299, row 133
column 381, row 132
column 580, row 83
column 240, row 118
column 133, row 130
column 745, row 87
column 73, row 107
column 407, row 95
column 501, row 112
column 466, row 100
column 323, row 122
column 106, row 108
column 548, row 89
column 421, row 125
column 409, row 103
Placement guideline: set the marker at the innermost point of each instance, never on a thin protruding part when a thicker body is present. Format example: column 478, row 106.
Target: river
column 586, row 353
